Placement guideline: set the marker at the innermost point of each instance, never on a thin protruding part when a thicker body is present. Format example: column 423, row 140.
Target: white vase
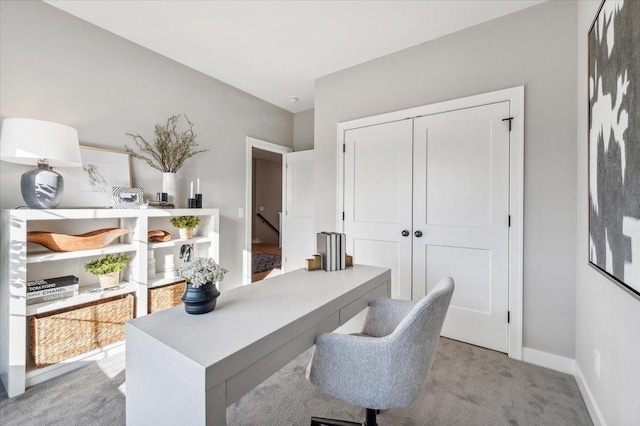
column 170, row 186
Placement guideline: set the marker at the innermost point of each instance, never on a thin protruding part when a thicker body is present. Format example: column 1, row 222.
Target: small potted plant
column 108, row 269
column 201, row 275
column 186, row 225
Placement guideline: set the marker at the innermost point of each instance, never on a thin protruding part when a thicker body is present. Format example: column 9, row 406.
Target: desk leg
column 216, row 403
column 159, row 395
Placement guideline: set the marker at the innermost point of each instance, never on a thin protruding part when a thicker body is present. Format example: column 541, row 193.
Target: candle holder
column 198, row 201
column 191, row 202
column 162, row 197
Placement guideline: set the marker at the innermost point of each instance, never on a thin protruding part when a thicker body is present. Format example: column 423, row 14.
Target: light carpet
column 468, row 386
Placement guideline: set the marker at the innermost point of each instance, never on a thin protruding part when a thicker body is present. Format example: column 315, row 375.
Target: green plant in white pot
column 108, row 269
column 186, row 225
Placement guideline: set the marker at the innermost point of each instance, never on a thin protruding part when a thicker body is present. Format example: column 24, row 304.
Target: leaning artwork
column 614, row 143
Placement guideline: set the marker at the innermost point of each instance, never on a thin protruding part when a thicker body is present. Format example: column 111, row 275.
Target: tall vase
column 170, row 186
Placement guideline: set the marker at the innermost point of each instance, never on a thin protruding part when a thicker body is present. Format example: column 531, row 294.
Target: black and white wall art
column 614, row 142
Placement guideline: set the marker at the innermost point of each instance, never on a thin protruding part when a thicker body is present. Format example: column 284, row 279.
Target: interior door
column 299, row 243
column 460, row 218
column 377, row 199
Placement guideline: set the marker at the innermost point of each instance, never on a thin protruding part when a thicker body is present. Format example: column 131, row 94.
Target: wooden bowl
column 62, row 242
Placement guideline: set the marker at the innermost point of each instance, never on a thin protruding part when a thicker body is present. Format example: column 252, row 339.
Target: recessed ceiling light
column 293, row 99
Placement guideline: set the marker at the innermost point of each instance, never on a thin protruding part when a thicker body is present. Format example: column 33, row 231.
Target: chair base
column 370, row 420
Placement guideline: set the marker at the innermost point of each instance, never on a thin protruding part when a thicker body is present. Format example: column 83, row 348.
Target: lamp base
column 42, row 187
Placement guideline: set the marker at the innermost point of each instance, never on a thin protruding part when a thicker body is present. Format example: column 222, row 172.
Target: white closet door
column 461, row 207
column 299, row 243
column 378, row 199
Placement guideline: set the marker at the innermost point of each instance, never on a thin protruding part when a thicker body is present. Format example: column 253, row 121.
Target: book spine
column 51, row 297
column 343, row 251
column 51, row 291
column 322, row 248
column 334, row 252
column 39, row 285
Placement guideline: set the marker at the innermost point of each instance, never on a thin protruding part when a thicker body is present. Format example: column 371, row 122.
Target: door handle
column 405, row 233
column 418, row 233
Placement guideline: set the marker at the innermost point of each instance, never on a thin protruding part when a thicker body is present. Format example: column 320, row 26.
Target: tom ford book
column 49, row 283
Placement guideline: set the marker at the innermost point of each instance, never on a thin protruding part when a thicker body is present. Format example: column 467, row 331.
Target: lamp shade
column 25, row 141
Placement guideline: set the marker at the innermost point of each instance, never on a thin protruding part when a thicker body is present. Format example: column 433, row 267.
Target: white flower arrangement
column 200, row 271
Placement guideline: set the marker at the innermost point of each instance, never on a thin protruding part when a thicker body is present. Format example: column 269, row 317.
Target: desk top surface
column 248, row 314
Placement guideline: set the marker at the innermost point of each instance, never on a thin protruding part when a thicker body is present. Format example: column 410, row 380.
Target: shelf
column 35, row 375
column 160, row 280
column 83, row 297
column 179, row 242
column 49, row 256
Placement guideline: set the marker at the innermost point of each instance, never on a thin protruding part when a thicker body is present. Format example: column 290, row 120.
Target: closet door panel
column 461, row 207
column 378, row 193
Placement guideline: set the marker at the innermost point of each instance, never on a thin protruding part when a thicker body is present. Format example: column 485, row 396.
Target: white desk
column 186, row 369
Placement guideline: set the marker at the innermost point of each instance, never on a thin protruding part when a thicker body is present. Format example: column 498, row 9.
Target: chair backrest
column 415, row 340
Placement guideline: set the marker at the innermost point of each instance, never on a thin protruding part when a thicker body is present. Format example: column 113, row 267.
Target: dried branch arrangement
column 170, row 148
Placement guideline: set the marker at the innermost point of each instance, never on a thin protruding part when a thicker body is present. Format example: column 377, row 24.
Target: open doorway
column 264, row 206
column 266, row 220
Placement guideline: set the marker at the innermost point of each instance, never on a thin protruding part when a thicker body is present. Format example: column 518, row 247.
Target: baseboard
column 589, row 400
column 545, row 359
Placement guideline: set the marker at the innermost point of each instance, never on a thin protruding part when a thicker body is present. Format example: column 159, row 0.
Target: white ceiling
column 276, row 49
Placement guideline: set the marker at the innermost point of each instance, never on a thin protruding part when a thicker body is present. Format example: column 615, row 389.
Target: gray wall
column 536, row 48
column 58, row 68
column 303, row 130
column 607, row 318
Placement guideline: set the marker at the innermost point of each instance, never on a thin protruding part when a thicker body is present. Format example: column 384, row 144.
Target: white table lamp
column 45, row 144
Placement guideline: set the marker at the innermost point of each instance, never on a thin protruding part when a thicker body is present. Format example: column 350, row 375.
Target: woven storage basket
column 63, row 334
column 165, row 297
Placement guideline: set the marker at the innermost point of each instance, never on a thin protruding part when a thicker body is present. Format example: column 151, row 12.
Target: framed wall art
column 91, row 185
column 614, row 143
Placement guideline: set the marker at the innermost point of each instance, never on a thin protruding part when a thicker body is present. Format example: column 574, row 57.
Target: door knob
column 418, row 234
column 405, row 233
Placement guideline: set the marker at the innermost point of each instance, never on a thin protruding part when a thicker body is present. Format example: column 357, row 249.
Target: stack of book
column 161, row 205
column 333, row 248
column 40, row 291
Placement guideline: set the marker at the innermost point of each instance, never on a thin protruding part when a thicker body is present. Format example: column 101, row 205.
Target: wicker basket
column 63, row 334
column 165, row 297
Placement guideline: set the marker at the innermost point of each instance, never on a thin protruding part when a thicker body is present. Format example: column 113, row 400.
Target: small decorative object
column 47, row 145
column 151, row 264
column 314, row 263
column 127, row 198
column 91, row 185
column 186, row 225
column 191, row 201
column 158, row 235
column 198, row 196
column 108, row 269
column 91, row 240
column 162, row 197
column 201, row 275
column 186, row 252
column 168, row 152
column 614, row 143
column 169, row 266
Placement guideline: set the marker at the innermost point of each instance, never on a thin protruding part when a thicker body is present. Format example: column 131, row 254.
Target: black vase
column 200, row 300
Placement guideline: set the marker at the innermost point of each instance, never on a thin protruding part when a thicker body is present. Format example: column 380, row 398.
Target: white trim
column 548, row 360
column 515, row 96
column 596, row 416
column 248, row 214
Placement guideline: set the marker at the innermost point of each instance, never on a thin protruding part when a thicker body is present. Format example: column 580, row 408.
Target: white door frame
column 515, row 96
column 248, row 213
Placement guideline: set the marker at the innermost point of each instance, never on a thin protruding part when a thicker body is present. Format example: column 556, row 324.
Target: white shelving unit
column 26, row 262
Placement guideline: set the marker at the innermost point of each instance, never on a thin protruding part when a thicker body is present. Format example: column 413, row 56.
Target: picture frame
column 127, row 198
column 614, row 143
column 91, row 185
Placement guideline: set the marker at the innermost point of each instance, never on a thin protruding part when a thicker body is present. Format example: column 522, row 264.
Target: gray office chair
column 386, row 365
